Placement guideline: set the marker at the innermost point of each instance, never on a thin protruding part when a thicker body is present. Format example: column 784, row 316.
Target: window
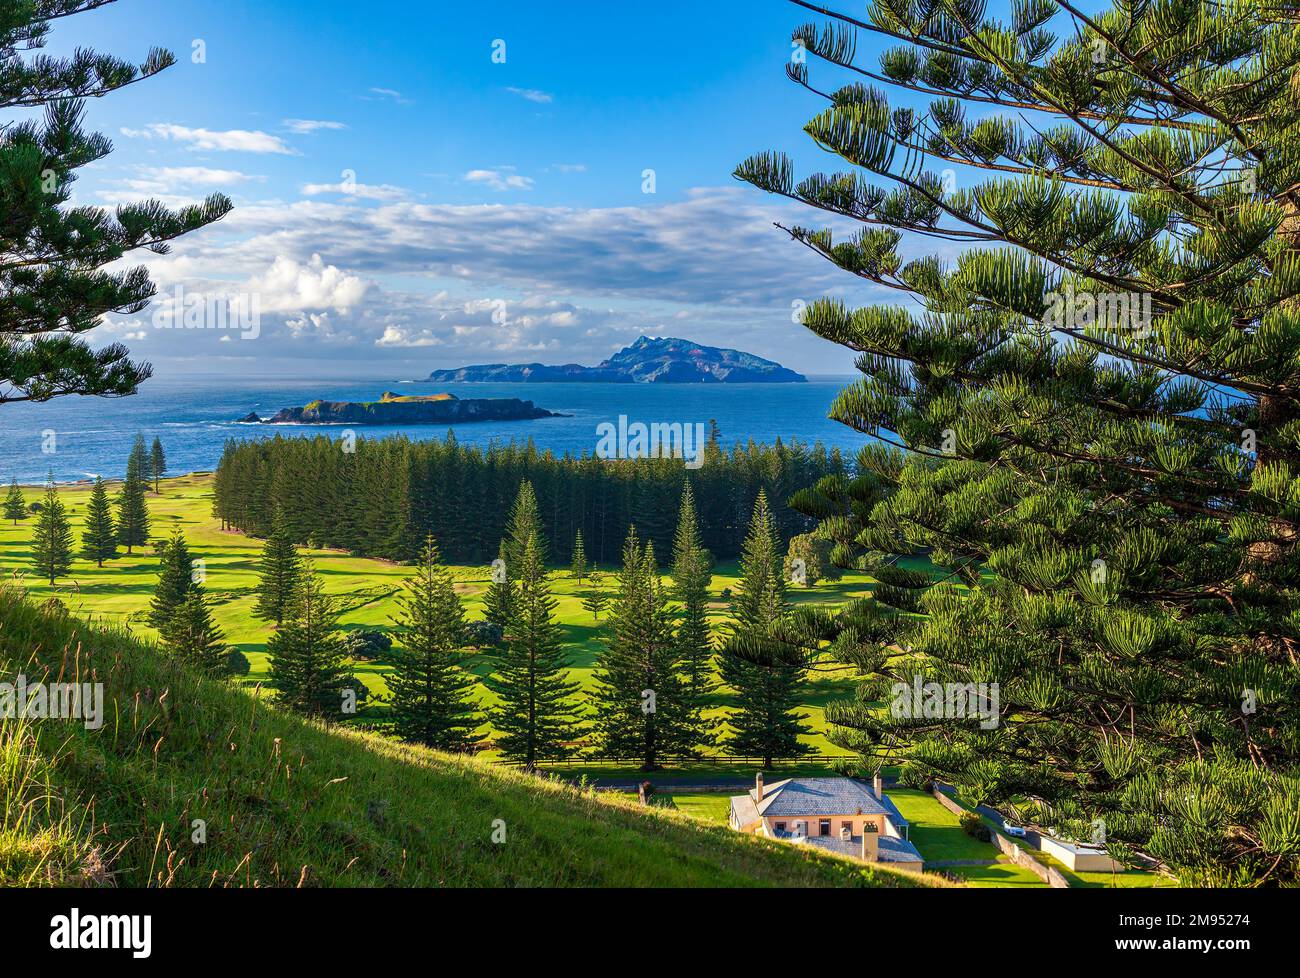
column 824, row 827
column 846, row 826
column 780, row 826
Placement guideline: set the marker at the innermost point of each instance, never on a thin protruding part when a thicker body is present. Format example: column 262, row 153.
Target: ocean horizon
column 78, row 438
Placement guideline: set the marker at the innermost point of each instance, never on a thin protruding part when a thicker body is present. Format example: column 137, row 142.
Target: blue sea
column 81, row 437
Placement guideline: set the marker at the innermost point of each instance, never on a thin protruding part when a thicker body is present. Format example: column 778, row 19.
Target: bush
column 484, row 633
column 367, row 644
column 975, row 827
column 235, row 663
column 816, row 556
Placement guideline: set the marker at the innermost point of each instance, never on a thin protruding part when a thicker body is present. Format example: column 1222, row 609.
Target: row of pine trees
column 383, row 497
column 655, row 676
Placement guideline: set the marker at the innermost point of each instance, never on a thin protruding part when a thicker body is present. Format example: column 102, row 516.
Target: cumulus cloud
column 293, row 286
column 500, row 179
column 228, row 140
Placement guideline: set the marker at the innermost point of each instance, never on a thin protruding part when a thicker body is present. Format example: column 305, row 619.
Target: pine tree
column 768, row 685
column 432, row 694
column 578, row 563
column 691, row 579
column 639, row 707
column 499, row 601
column 524, row 524
column 15, row 505
column 52, row 540
column 99, row 538
column 132, row 511
column 279, row 574
column 1088, row 421
column 596, row 600
column 157, row 462
column 307, row 655
column 190, row 634
column 55, row 286
column 535, row 720
column 175, row 580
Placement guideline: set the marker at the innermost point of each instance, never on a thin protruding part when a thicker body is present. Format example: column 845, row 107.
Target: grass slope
column 119, row 593
column 288, row 803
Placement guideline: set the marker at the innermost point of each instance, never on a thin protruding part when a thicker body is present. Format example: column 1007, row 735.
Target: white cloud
column 304, row 126
column 364, row 191
column 298, row 287
column 500, row 179
column 532, row 94
column 228, row 140
column 403, row 337
column 578, row 283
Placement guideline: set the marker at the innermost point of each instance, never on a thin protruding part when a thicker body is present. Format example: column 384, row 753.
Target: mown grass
column 195, row 782
column 120, row 592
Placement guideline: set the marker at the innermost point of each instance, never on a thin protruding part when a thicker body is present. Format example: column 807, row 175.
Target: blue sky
column 405, row 202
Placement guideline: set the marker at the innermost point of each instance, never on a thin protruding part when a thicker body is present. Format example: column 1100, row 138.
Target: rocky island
column 650, row 360
column 399, row 409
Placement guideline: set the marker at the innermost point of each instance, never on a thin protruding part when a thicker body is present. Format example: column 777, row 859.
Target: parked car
column 1016, row 831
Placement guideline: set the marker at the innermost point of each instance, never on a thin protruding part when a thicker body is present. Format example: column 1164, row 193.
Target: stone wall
column 1048, row 874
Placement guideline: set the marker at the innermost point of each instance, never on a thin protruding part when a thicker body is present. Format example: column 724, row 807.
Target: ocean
column 81, row 437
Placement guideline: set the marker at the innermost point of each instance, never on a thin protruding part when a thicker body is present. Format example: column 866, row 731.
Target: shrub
column 484, row 633
column 816, row 555
column 235, row 663
column 975, row 827
column 367, row 644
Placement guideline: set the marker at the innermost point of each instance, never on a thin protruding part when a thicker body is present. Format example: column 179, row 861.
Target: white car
column 1016, row 831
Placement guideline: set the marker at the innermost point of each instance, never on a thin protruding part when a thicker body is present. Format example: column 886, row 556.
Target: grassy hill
column 119, row 593
column 286, row 803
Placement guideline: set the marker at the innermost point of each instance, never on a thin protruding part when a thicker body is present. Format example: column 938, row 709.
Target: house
column 841, row 815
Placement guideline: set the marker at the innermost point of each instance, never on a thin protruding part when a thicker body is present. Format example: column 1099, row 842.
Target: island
column 650, row 360
column 401, row 409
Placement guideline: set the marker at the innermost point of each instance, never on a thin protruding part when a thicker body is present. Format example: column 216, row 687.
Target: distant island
column 650, row 360
column 398, row 409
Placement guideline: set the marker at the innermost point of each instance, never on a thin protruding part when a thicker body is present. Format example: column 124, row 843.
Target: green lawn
column 937, row 835
column 119, row 593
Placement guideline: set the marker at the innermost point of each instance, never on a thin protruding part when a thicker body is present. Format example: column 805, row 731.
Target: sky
column 430, row 185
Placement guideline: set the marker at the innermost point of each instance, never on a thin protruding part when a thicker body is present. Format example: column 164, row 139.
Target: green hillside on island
column 274, row 800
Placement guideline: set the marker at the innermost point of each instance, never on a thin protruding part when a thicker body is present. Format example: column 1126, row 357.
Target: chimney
column 870, row 843
column 878, row 786
column 758, row 785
